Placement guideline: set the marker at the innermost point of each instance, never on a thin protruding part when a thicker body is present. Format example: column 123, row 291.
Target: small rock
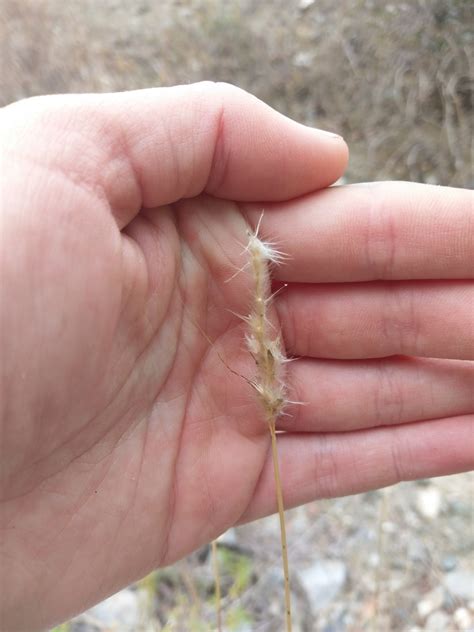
column 437, row 622
column 463, row 619
column 395, row 581
column 431, row 601
column 418, row 552
column 323, row 581
column 243, row 627
column 305, row 4
column 269, row 526
column 423, row 482
column 460, row 584
column 79, row 625
column 374, row 559
column 303, row 59
column 229, row 537
column 448, row 563
column 461, row 508
column 122, row 610
column 428, row 502
column 389, row 527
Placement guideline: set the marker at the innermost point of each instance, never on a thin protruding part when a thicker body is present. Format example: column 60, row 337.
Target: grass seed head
column 265, row 347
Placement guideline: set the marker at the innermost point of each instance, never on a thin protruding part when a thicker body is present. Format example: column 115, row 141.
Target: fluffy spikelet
column 262, row 343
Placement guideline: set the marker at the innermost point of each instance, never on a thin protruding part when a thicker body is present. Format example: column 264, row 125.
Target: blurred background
column 396, row 80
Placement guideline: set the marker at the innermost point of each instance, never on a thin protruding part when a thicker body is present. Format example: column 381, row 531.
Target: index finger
column 366, row 232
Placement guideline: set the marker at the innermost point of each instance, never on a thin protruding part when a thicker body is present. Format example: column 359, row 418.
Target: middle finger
column 377, row 319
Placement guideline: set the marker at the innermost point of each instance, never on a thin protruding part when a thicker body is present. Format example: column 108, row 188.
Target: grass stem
column 281, row 515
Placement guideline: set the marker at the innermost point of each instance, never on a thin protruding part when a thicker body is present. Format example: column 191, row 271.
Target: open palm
column 128, row 436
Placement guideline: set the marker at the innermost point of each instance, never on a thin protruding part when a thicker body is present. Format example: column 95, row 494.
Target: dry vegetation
column 394, row 79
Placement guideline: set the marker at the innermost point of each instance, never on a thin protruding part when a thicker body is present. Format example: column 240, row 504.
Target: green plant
column 237, row 566
column 237, row 617
column 217, row 584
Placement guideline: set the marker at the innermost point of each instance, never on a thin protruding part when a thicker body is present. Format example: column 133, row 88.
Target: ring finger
column 340, row 395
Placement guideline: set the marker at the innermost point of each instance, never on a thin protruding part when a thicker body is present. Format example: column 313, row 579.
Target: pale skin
column 126, row 441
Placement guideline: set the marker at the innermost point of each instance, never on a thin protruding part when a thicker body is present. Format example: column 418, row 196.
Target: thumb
column 151, row 147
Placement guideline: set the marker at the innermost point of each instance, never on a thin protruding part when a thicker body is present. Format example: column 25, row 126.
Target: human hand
column 126, row 443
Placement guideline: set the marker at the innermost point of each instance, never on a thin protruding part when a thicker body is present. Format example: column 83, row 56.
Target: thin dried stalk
column 383, row 511
column 281, row 515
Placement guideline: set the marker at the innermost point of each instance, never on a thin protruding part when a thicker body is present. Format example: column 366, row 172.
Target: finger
column 323, row 466
column 376, row 319
column 152, row 147
column 363, row 232
column 339, row 396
